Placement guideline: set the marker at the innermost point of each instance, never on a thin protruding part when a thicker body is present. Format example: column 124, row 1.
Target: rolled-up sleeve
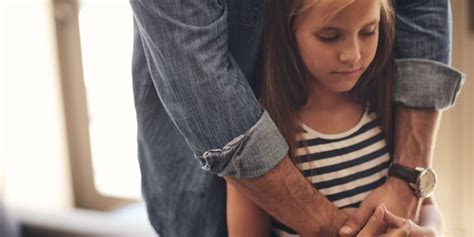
column 203, row 89
column 424, row 78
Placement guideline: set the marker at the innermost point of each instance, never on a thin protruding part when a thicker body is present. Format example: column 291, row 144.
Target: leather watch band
column 403, row 172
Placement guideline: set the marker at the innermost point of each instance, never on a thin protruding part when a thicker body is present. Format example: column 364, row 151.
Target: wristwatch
column 421, row 180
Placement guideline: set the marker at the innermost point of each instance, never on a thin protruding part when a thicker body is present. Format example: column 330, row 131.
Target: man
column 196, row 71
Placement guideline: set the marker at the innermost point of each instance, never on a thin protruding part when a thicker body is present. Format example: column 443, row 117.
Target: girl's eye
column 332, row 38
column 328, row 38
column 370, row 33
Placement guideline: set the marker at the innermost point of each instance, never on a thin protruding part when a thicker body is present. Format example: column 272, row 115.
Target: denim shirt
column 196, row 71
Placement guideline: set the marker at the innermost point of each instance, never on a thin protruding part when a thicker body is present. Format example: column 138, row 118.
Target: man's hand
column 395, row 194
column 414, row 131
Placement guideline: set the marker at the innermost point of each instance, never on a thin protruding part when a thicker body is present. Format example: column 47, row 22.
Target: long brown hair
column 286, row 79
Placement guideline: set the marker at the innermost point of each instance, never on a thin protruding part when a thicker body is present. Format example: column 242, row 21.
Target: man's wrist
column 402, row 187
column 406, row 193
column 339, row 220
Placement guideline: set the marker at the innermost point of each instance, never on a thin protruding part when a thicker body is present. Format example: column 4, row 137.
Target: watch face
column 426, row 183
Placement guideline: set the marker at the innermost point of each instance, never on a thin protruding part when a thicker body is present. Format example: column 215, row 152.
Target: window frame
column 66, row 25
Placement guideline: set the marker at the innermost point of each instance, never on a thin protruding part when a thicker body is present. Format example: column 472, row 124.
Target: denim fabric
column 196, row 76
column 181, row 199
column 423, row 49
column 203, row 78
column 426, row 84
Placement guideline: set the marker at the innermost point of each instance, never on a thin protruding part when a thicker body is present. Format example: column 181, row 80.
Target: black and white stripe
column 344, row 167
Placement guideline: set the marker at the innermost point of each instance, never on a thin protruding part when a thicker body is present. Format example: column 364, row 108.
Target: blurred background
column 68, row 164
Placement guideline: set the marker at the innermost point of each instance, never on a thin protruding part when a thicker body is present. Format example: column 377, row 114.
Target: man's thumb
column 375, row 225
column 355, row 223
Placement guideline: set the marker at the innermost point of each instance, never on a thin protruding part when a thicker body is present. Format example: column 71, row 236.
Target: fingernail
column 346, row 230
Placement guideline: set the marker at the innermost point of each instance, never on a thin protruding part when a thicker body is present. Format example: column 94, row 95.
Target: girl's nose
column 350, row 54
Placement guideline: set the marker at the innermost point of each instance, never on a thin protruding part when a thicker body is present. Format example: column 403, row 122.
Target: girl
column 328, row 87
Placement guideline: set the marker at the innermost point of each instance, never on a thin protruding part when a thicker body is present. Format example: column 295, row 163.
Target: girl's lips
column 348, row 72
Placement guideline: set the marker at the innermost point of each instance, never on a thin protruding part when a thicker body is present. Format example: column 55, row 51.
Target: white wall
column 36, row 173
column 453, row 157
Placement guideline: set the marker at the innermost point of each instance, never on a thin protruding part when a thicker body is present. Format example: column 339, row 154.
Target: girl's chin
column 344, row 87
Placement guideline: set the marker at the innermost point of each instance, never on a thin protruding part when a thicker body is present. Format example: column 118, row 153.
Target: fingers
column 400, row 227
column 356, row 222
column 392, row 220
column 351, row 227
column 375, row 225
column 402, row 231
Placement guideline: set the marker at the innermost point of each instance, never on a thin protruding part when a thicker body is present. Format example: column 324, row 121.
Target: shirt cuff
column 421, row 83
column 252, row 154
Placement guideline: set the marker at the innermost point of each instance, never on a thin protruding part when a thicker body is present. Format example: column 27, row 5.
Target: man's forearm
column 286, row 195
column 415, row 133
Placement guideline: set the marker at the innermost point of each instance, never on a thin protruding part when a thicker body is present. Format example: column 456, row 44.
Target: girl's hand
column 397, row 226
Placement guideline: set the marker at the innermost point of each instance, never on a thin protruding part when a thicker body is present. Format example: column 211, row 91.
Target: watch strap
column 402, row 172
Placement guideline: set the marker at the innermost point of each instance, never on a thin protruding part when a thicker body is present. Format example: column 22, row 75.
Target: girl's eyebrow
column 329, row 28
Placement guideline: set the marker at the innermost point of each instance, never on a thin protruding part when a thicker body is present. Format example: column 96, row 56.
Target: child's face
column 338, row 51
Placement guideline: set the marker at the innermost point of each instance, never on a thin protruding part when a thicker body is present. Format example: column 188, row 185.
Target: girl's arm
column 430, row 224
column 245, row 218
column 431, row 216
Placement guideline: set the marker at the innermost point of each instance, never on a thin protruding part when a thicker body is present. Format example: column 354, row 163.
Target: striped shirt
column 344, row 167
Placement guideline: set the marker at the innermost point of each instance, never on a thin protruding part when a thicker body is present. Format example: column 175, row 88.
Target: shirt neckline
column 342, row 134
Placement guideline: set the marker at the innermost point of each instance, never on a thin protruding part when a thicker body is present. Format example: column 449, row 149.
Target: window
column 94, row 47
column 106, row 30
column 32, row 146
